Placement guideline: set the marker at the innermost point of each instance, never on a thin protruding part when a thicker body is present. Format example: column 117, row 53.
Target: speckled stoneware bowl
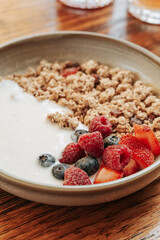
column 17, row 55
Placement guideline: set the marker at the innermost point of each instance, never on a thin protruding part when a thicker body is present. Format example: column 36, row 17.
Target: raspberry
column 72, row 153
column 76, row 176
column 92, row 143
column 140, row 152
column 101, row 124
column 116, row 157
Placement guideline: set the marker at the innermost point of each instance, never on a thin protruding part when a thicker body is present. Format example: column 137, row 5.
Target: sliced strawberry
column 140, row 152
column 147, row 136
column 69, row 71
column 131, row 168
column 107, row 174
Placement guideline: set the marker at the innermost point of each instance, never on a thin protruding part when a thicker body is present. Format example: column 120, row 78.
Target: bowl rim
column 102, row 186
column 34, row 37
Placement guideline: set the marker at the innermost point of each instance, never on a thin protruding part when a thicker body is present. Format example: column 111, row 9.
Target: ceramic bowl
column 16, row 56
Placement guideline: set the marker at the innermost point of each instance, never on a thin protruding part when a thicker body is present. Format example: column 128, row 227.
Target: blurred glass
column 86, row 4
column 145, row 10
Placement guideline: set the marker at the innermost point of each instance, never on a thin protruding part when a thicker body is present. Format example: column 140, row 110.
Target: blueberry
column 77, row 134
column 89, row 164
column 46, row 160
column 111, row 140
column 58, row 171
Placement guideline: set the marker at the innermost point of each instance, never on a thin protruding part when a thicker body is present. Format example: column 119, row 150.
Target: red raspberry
column 116, row 157
column 76, row 176
column 92, row 143
column 72, row 153
column 102, row 125
column 140, row 152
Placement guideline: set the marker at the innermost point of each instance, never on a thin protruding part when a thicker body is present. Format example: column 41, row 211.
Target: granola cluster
column 64, row 120
column 95, row 89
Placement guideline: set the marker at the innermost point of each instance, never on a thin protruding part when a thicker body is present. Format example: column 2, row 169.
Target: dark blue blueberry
column 46, row 160
column 89, row 164
column 111, row 140
column 58, row 170
column 77, row 134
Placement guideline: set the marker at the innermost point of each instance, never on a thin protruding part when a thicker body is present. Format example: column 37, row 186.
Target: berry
column 69, row 71
column 76, row 176
column 75, row 136
column 116, row 157
column 72, row 153
column 131, row 168
column 101, row 124
column 58, row 171
column 147, row 136
column 46, row 160
column 111, row 140
column 89, row 164
column 140, row 152
column 106, row 175
column 92, row 143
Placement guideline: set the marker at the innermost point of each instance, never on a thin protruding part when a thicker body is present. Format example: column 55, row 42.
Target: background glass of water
column 145, row 10
column 86, row 4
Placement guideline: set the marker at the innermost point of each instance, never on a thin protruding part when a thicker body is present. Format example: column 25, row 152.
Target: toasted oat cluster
column 66, row 120
column 92, row 89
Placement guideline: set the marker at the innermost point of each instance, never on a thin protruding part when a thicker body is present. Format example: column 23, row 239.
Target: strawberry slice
column 147, row 136
column 132, row 167
column 69, row 71
column 140, row 152
column 107, row 174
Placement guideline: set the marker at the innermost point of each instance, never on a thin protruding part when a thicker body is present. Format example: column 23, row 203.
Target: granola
column 95, row 89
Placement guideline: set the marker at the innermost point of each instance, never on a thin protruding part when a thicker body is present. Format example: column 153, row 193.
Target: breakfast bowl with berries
column 80, row 118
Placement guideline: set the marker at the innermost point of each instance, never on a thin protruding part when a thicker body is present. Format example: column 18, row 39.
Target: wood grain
column 21, row 18
column 136, row 217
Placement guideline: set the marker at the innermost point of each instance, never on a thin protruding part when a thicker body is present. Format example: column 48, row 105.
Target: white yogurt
column 25, row 134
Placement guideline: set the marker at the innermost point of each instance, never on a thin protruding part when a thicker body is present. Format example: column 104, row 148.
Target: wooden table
column 136, row 217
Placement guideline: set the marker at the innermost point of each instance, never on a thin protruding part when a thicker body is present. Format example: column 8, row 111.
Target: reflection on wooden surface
column 22, row 18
